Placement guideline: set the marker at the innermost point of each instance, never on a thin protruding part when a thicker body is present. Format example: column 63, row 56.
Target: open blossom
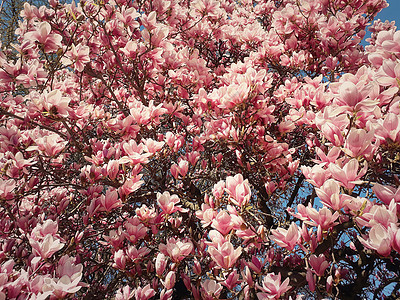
column 46, row 247
column 316, row 175
column 318, row 264
column 62, row 286
column 79, row 55
column 135, row 230
column 206, row 214
column 272, row 287
column 386, row 193
column 152, row 146
column 389, row 128
column 110, row 200
column 225, row 255
column 286, row 238
column 146, row 214
column 49, row 41
column 379, row 214
column 348, row 175
column 6, row 188
column 322, row 217
column 329, row 193
column 67, row 267
column 379, row 239
column 222, row 222
column 144, row 293
column 238, row 190
column 359, row 143
column 124, row 293
column 53, row 102
column 217, row 239
column 177, row 249
column 211, row 289
column 50, row 145
column 167, row 203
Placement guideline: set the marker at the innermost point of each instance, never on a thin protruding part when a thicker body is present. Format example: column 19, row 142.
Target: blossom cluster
column 202, row 149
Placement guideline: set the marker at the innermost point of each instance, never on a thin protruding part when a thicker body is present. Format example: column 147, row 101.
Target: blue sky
column 391, row 13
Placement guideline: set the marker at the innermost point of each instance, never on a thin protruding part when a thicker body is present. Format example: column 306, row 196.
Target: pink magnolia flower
column 32, row 76
column 379, row 239
column 61, row 287
column 389, row 128
column 120, row 259
column 318, row 264
column 386, row 193
column 255, row 264
column 329, row 193
column 218, row 189
column 161, row 263
column 49, row 41
column 167, row 203
column 316, row 175
column 272, row 287
column 379, row 214
column 348, row 175
column 20, row 162
column 286, row 238
column 333, row 133
column 110, row 201
column 166, row 294
column 193, row 157
column 174, row 170
column 124, row 293
column 211, row 289
column 389, row 73
column 196, row 267
column 134, row 254
column 238, row 190
column 359, row 143
column 311, row 279
column 217, row 239
column 322, row 217
column 349, row 94
column 115, row 238
column 247, row 276
column 6, row 188
column 152, row 146
column 146, row 214
column 169, row 281
column 78, row 55
column 331, row 157
column 222, row 222
column 177, row 250
column 41, row 230
column 53, row 103
column 67, row 267
column 232, row 280
column 144, row 293
column 131, row 184
column 112, row 168
column 183, row 167
column 395, row 237
column 46, row 247
column 206, row 214
column 225, row 255
column 135, row 230
column 134, row 153
column 50, row 145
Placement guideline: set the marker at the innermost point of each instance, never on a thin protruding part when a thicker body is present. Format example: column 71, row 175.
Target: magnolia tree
column 200, row 150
